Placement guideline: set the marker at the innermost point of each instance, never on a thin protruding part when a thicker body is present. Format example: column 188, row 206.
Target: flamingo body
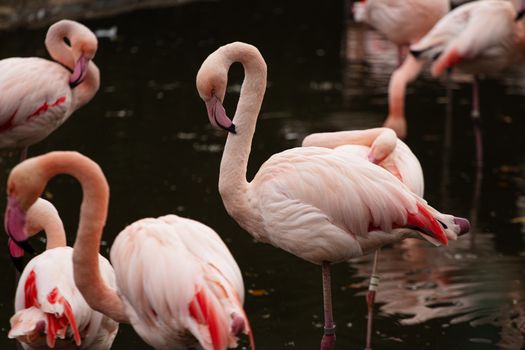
column 51, row 312
column 402, row 21
column 477, row 37
column 194, row 300
column 38, row 95
column 27, row 117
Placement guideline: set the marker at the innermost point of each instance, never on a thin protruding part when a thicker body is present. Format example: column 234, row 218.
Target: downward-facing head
column 383, row 145
column 80, row 48
column 28, row 179
column 212, row 78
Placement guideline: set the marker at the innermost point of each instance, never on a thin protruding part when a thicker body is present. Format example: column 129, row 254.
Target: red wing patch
column 203, row 312
column 30, row 291
column 45, row 106
column 9, row 123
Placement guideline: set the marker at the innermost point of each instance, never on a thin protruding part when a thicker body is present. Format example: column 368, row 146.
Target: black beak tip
column 415, row 53
column 26, row 247
column 232, row 129
column 519, row 15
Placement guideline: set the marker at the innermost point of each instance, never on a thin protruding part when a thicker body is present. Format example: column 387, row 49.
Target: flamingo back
column 179, row 283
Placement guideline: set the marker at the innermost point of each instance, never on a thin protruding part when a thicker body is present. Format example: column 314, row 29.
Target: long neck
column 93, row 214
column 232, row 179
column 406, row 73
column 56, row 46
column 43, row 216
column 85, row 91
column 341, row 138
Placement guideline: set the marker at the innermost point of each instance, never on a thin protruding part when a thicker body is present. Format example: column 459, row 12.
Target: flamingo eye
column 67, row 41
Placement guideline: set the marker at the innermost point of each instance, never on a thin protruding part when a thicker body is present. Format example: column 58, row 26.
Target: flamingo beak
column 79, row 72
column 429, row 228
column 464, row 225
column 17, row 255
column 14, row 223
column 217, row 115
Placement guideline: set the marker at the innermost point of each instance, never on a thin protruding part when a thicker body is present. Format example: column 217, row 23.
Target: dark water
column 149, row 131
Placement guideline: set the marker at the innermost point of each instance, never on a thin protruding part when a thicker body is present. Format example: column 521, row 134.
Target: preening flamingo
column 39, row 95
column 50, row 311
column 482, row 37
column 176, row 281
column 322, row 205
column 403, row 22
column 381, row 147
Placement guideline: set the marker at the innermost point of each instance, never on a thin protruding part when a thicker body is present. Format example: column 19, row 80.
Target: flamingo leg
column 328, row 341
column 476, row 120
column 370, row 299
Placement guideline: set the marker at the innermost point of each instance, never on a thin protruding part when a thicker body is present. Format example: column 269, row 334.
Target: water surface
column 149, row 131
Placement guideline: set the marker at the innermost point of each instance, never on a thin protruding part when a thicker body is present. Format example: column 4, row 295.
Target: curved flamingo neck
column 233, row 185
column 93, row 214
column 80, row 37
column 341, row 138
column 43, row 216
column 85, row 91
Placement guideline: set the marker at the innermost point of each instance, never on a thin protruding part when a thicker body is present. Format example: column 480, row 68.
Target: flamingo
column 176, row 281
column 381, row 147
column 49, row 310
column 482, row 37
column 322, row 205
column 403, row 22
column 39, row 95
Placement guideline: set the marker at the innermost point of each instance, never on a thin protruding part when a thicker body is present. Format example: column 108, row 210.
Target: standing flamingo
column 50, row 311
column 176, row 281
column 482, row 37
column 39, row 95
column 381, row 147
column 403, row 22
column 322, row 205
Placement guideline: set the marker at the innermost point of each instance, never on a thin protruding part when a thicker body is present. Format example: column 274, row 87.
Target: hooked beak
column 79, row 72
column 217, row 115
column 464, row 225
column 17, row 255
column 14, row 223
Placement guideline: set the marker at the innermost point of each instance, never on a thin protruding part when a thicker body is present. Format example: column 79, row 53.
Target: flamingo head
column 212, row 80
column 22, row 193
column 84, row 46
column 383, row 146
column 434, row 226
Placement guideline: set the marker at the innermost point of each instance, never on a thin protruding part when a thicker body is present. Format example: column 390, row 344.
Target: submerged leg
column 476, row 120
column 328, row 341
column 370, row 298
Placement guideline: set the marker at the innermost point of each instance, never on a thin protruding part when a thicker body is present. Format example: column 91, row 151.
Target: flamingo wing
column 327, row 200
column 47, row 301
column 35, row 100
column 193, row 300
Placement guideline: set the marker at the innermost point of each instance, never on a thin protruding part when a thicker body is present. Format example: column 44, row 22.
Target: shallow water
column 149, row 131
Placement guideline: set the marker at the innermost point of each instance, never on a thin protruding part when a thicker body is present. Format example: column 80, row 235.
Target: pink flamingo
column 381, row 147
column 39, row 95
column 403, row 22
column 196, row 301
column 50, row 311
column 482, row 37
column 322, row 205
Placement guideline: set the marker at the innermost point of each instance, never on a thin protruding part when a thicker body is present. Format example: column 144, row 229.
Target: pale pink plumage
column 379, row 145
column 38, row 95
column 477, row 37
column 176, row 282
column 403, row 22
column 49, row 309
column 323, row 205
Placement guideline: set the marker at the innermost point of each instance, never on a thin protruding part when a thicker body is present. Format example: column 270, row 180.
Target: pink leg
column 476, row 120
column 370, row 298
column 328, row 341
